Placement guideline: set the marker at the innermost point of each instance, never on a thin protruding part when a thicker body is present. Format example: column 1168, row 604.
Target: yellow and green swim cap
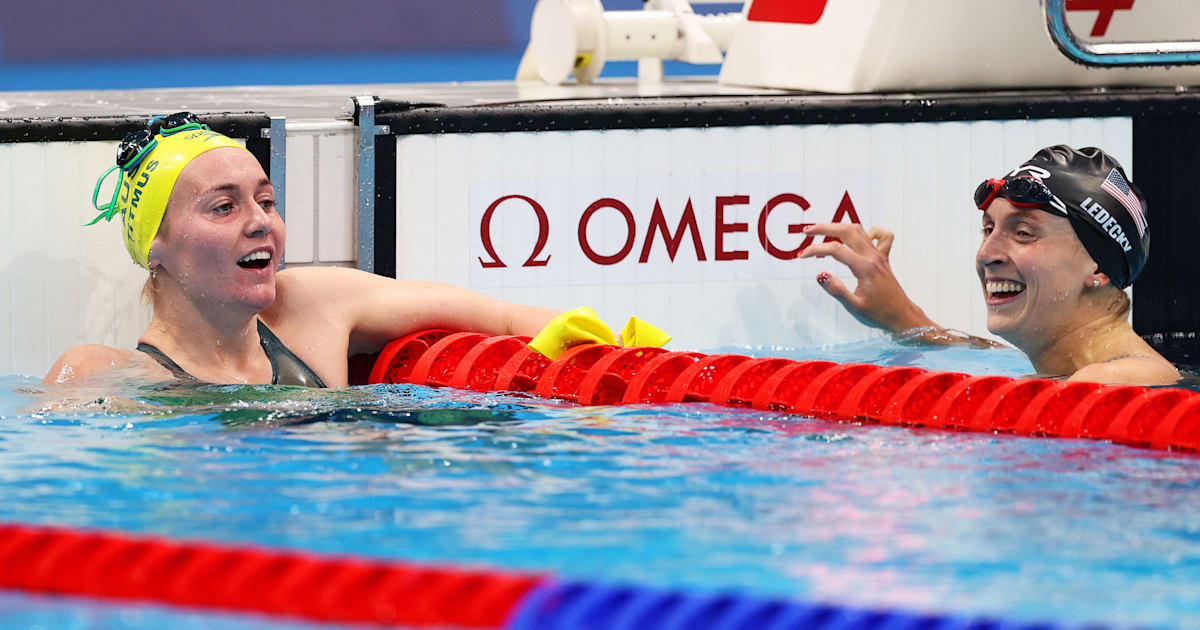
column 150, row 164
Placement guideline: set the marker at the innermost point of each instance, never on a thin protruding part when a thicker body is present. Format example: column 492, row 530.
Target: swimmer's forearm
column 528, row 321
column 910, row 325
column 900, row 315
column 934, row 335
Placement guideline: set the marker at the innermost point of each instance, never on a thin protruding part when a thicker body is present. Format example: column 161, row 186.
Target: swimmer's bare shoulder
column 84, row 361
column 1135, row 370
column 369, row 309
column 318, row 300
column 316, row 289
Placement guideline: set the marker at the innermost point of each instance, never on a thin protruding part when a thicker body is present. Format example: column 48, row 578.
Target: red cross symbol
column 810, row 11
column 1106, row 8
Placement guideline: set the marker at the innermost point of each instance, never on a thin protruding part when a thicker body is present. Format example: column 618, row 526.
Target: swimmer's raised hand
column 878, row 300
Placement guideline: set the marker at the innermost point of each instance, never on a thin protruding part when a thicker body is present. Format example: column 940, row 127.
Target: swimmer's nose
column 991, row 252
column 258, row 221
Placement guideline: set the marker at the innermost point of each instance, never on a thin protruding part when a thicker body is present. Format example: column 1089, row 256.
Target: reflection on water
column 689, row 495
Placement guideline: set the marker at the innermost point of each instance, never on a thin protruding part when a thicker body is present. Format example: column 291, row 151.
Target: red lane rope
column 97, row 564
column 1164, row 418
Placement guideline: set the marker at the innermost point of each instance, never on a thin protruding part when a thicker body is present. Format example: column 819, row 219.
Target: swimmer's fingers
column 833, row 286
column 851, row 234
column 839, row 252
column 882, row 240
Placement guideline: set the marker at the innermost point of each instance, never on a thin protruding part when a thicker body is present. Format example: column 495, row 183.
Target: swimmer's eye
column 224, row 208
column 985, row 231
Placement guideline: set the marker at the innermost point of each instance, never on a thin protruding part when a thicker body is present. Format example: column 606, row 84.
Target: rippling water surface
column 675, row 495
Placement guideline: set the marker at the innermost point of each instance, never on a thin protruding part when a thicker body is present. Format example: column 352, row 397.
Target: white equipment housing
column 856, row 46
column 577, row 37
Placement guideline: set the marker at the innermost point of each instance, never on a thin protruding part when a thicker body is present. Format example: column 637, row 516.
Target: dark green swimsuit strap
column 166, row 362
column 286, row 367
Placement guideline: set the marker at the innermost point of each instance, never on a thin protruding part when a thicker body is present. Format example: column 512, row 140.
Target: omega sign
column 703, row 245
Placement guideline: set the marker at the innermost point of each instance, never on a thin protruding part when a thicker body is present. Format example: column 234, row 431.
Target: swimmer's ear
column 1097, row 279
column 153, row 260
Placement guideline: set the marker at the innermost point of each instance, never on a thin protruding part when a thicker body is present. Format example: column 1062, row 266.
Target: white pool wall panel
column 63, row 284
column 915, row 179
column 301, row 201
column 336, row 215
column 320, row 202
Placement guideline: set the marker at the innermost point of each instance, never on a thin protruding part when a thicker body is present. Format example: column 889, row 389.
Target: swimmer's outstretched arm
column 878, row 301
column 375, row 309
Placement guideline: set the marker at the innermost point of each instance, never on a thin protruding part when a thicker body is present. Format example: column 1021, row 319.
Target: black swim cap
column 1106, row 210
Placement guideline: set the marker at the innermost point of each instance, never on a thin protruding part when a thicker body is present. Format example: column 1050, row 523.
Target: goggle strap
column 137, row 159
column 168, row 132
column 108, row 210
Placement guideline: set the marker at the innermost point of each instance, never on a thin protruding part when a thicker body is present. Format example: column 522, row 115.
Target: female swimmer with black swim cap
column 1063, row 235
column 198, row 212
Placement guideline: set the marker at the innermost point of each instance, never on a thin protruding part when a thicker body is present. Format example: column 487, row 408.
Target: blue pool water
column 689, row 496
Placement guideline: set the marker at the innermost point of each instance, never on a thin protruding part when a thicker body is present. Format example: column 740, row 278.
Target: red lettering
column 844, row 209
column 631, row 229
column 1105, row 10
column 724, row 228
column 790, row 11
column 672, row 241
column 485, row 234
column 792, row 228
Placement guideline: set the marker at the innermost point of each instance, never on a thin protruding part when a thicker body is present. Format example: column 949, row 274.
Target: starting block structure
column 855, row 46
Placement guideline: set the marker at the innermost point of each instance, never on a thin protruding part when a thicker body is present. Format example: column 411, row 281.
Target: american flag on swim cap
column 1115, row 185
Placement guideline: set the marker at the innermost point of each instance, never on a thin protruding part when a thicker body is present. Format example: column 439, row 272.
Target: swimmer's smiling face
column 221, row 237
column 1033, row 270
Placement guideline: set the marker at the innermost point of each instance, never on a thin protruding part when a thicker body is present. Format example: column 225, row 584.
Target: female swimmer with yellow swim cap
column 198, row 212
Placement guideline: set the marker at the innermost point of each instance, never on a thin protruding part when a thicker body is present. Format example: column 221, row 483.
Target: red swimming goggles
column 1023, row 192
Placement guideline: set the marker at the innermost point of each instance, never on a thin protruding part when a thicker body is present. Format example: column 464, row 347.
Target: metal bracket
column 1115, row 53
column 277, row 134
column 364, row 118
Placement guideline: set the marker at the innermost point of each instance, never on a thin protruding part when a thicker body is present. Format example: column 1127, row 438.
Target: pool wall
column 696, row 228
column 570, row 196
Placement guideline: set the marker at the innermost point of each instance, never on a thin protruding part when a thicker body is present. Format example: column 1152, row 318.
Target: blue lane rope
column 555, row 605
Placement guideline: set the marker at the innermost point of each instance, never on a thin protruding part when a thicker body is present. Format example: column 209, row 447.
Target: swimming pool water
column 678, row 495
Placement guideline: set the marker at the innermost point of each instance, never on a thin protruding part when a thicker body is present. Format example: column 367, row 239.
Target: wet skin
column 1038, row 254
column 207, row 305
column 222, row 209
column 1047, row 296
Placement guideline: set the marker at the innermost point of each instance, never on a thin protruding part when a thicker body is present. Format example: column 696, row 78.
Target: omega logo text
column 685, row 234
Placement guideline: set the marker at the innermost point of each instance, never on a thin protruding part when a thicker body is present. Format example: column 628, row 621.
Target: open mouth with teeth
column 1003, row 289
column 255, row 260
